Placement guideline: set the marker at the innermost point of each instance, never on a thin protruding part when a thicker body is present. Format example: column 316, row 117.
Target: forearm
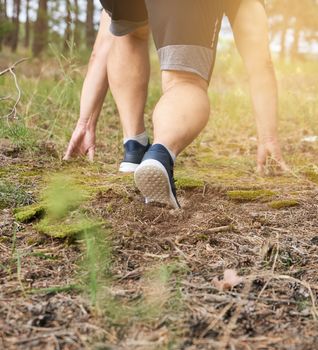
column 93, row 94
column 265, row 102
column 95, row 85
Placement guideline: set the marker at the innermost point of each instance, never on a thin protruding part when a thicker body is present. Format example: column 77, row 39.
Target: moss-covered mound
column 285, row 203
column 29, row 213
column 250, row 195
column 67, row 228
column 188, row 183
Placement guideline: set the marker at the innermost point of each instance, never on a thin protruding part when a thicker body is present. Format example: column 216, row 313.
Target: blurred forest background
column 83, row 261
column 34, row 24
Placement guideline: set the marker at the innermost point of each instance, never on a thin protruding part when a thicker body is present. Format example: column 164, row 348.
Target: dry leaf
column 230, row 280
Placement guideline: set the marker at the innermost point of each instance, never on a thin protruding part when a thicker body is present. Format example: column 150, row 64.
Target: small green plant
column 63, row 196
column 95, row 265
column 12, row 195
column 21, row 136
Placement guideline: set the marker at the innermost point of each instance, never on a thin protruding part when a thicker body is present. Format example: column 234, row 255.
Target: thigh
column 185, row 34
column 126, row 15
column 250, row 28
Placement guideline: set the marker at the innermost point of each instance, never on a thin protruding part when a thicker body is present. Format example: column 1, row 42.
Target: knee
column 172, row 79
column 100, row 50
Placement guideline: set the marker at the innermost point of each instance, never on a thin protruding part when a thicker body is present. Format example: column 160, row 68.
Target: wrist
column 266, row 139
column 86, row 124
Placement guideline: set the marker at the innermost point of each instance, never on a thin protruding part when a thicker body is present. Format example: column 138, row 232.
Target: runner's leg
column 185, row 33
column 251, row 34
column 128, row 73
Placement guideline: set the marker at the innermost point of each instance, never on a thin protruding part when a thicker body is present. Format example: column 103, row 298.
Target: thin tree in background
column 90, row 32
column 3, row 13
column 6, row 25
column 16, row 25
column 76, row 23
column 68, row 29
column 27, row 24
column 3, row 9
column 40, row 29
column 299, row 16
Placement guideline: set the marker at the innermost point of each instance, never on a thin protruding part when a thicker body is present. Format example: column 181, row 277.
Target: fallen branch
column 13, row 112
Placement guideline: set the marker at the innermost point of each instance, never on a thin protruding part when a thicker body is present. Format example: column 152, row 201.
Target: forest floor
column 85, row 264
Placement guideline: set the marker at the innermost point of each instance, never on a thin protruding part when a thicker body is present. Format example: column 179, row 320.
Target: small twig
column 13, row 112
column 219, row 229
column 5, row 98
column 13, row 66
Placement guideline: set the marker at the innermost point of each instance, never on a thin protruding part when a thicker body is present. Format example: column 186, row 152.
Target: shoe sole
column 126, row 167
column 152, row 180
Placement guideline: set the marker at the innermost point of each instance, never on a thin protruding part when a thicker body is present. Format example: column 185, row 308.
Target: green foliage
column 249, row 195
column 12, row 195
column 95, row 266
column 6, row 28
column 19, row 134
column 62, row 196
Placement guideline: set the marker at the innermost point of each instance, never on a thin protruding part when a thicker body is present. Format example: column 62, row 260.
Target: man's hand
column 82, row 142
column 270, row 159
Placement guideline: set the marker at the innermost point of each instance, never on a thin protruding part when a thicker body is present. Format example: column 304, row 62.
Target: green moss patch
column 281, row 204
column 66, row 229
column 249, row 195
column 188, row 182
column 29, row 213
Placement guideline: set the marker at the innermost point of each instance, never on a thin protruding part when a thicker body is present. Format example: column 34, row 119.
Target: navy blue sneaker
column 154, row 177
column 134, row 152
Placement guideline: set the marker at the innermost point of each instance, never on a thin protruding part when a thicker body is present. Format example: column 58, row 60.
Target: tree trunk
column 2, row 19
column 3, row 9
column 90, row 33
column 68, row 29
column 16, row 25
column 295, row 47
column 27, row 25
column 283, row 48
column 76, row 24
column 40, row 29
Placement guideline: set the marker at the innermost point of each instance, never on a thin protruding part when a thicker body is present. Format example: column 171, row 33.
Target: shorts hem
column 121, row 27
column 184, row 68
column 188, row 58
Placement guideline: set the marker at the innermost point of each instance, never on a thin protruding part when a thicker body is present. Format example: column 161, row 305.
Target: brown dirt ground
column 275, row 250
